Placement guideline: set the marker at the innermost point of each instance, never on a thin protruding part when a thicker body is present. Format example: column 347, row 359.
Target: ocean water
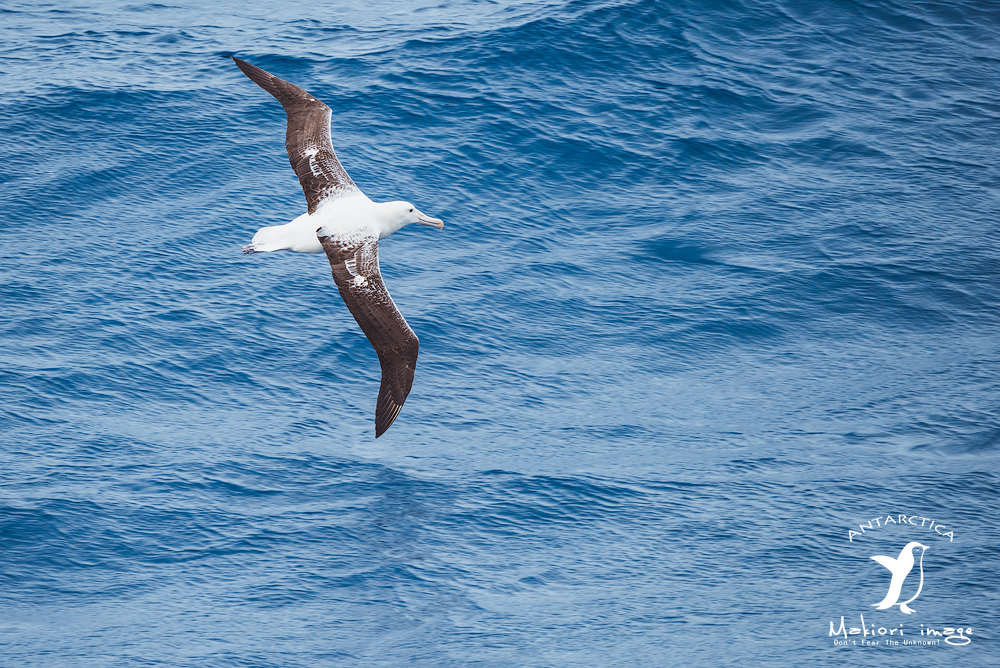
column 717, row 288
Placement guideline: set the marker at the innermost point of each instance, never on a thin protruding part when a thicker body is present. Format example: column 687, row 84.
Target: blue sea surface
column 718, row 287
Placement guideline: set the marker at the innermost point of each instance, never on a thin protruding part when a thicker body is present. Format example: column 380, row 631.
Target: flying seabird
column 344, row 223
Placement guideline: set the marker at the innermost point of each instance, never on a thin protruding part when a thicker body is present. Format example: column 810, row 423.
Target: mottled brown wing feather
column 356, row 272
column 307, row 139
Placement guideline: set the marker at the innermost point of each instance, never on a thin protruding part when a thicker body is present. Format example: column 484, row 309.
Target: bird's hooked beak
column 424, row 219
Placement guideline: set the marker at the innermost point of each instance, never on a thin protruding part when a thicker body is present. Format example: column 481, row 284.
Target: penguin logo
column 900, row 567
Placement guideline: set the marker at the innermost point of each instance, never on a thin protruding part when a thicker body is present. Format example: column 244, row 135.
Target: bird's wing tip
column 385, row 418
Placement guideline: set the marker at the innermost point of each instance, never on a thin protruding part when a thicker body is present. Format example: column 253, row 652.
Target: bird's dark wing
column 307, row 139
column 355, row 269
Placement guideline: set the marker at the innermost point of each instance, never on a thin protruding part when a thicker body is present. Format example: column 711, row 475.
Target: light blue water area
column 718, row 285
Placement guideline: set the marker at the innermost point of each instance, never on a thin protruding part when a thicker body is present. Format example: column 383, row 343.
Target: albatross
column 342, row 222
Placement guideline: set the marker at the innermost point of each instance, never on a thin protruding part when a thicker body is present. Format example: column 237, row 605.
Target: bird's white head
column 397, row 215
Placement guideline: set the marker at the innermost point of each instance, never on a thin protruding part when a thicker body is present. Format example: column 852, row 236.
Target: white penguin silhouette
column 900, row 567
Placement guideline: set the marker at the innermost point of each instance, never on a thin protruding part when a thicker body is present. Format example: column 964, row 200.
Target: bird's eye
column 411, row 210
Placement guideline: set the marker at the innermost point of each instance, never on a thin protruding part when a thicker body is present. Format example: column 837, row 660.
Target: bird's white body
column 345, row 217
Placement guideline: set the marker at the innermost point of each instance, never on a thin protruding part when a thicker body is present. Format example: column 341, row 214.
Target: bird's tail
column 266, row 239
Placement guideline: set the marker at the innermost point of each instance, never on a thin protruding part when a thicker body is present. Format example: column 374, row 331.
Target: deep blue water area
column 712, row 321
